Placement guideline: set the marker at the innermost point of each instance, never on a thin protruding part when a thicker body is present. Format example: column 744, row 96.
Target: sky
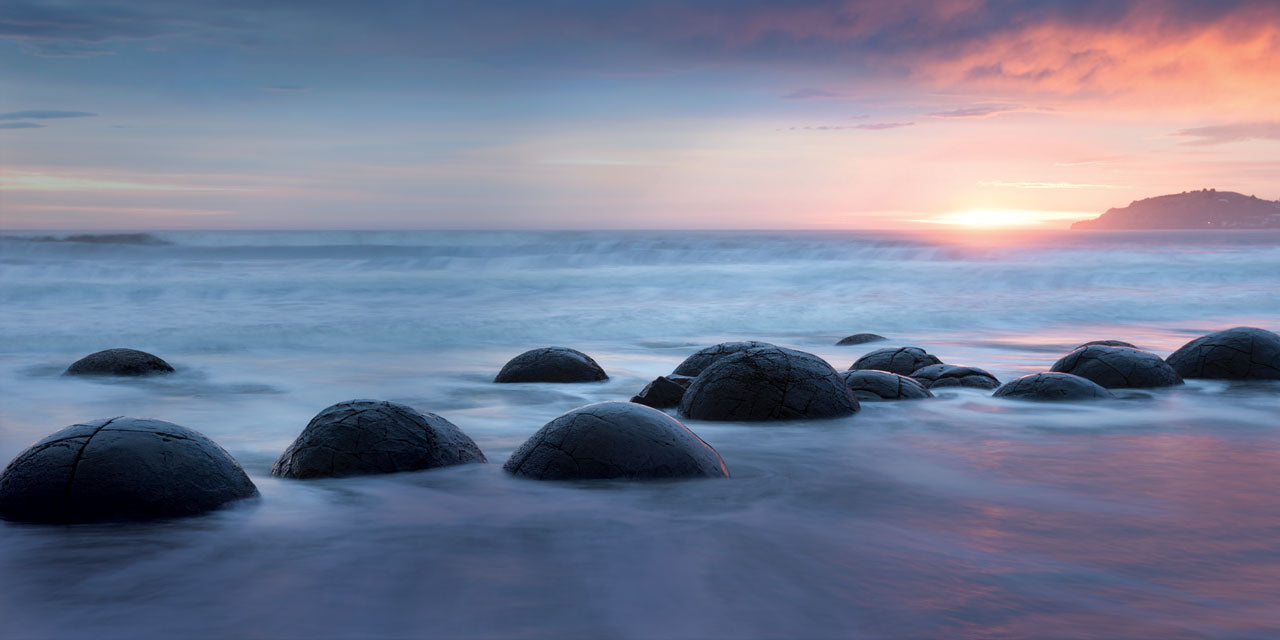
column 590, row 114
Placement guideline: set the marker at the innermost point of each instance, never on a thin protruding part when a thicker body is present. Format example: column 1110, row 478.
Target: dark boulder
column 120, row 469
column 1052, row 387
column 662, row 393
column 860, row 338
column 900, row 360
column 551, row 364
column 703, row 358
column 118, row 362
column 768, row 383
column 870, row 385
column 615, row 440
column 1242, row 353
column 374, row 436
column 1107, row 343
column 937, row 376
column 1118, row 367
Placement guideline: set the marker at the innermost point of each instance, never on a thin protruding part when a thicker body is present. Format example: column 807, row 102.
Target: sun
column 1004, row 218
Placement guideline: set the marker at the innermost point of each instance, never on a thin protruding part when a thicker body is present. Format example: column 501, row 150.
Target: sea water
column 1156, row 515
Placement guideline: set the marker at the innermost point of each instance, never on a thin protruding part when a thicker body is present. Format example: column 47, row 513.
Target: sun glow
column 1003, row 218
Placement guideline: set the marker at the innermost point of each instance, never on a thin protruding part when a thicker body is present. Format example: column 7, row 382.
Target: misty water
column 1153, row 515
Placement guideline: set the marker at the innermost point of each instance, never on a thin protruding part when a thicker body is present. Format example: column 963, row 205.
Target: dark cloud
column 1222, row 134
column 44, row 114
column 975, row 111
column 20, row 125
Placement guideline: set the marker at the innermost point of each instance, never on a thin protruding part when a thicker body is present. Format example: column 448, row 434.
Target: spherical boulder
column 662, row 393
column 870, row 385
column 900, row 360
column 551, row 364
column 615, row 440
column 120, row 469
column 1242, row 353
column 1118, row 367
column 360, row 437
column 703, row 358
column 118, row 362
column 1107, row 343
column 860, row 338
column 1052, row 387
column 768, row 383
column 937, row 376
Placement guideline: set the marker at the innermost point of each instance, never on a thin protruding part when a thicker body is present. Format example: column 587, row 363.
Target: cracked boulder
column 662, row 393
column 118, row 362
column 1118, row 367
column 900, row 360
column 870, row 385
column 860, row 338
column 1107, row 343
column 937, row 376
column 703, row 358
column 120, row 469
column 551, row 364
column 768, row 383
column 615, row 440
column 1052, row 386
column 361, row 437
column 1242, row 353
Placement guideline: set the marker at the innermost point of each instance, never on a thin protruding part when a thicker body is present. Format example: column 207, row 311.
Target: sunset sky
column 590, row 114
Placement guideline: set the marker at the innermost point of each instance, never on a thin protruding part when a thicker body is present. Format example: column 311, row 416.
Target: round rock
column 1118, row 367
column 118, row 362
column 1242, row 353
column 936, row 376
column 120, row 469
column 374, row 436
column 870, row 385
column 1107, row 343
column 615, row 440
column 551, row 364
column 860, row 338
column 703, row 358
column 768, row 383
column 662, row 393
column 1052, row 387
column 901, row 360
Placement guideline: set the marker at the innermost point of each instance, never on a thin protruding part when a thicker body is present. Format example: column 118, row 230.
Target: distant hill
column 1204, row 209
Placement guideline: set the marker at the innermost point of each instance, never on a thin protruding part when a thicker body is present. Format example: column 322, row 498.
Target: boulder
column 1107, row 343
column 768, row 383
column 870, row 385
column 1242, row 353
column 860, row 338
column 615, row 440
column 118, row 362
column 936, row 376
column 703, row 358
column 1052, row 387
column 900, row 360
column 662, row 393
column 551, row 364
column 360, row 437
column 1118, row 367
column 120, row 469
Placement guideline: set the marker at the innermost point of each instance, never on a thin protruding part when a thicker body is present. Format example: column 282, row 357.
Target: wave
column 95, row 238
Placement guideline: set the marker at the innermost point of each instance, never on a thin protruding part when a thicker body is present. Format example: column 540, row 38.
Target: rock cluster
column 615, row 440
column 1118, row 367
column 551, row 364
column 374, row 436
column 1052, row 387
column 1241, row 353
column 870, row 385
column 118, row 362
column 120, row 469
column 768, row 383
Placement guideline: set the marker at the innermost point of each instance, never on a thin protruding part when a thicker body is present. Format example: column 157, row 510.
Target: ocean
column 964, row 516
